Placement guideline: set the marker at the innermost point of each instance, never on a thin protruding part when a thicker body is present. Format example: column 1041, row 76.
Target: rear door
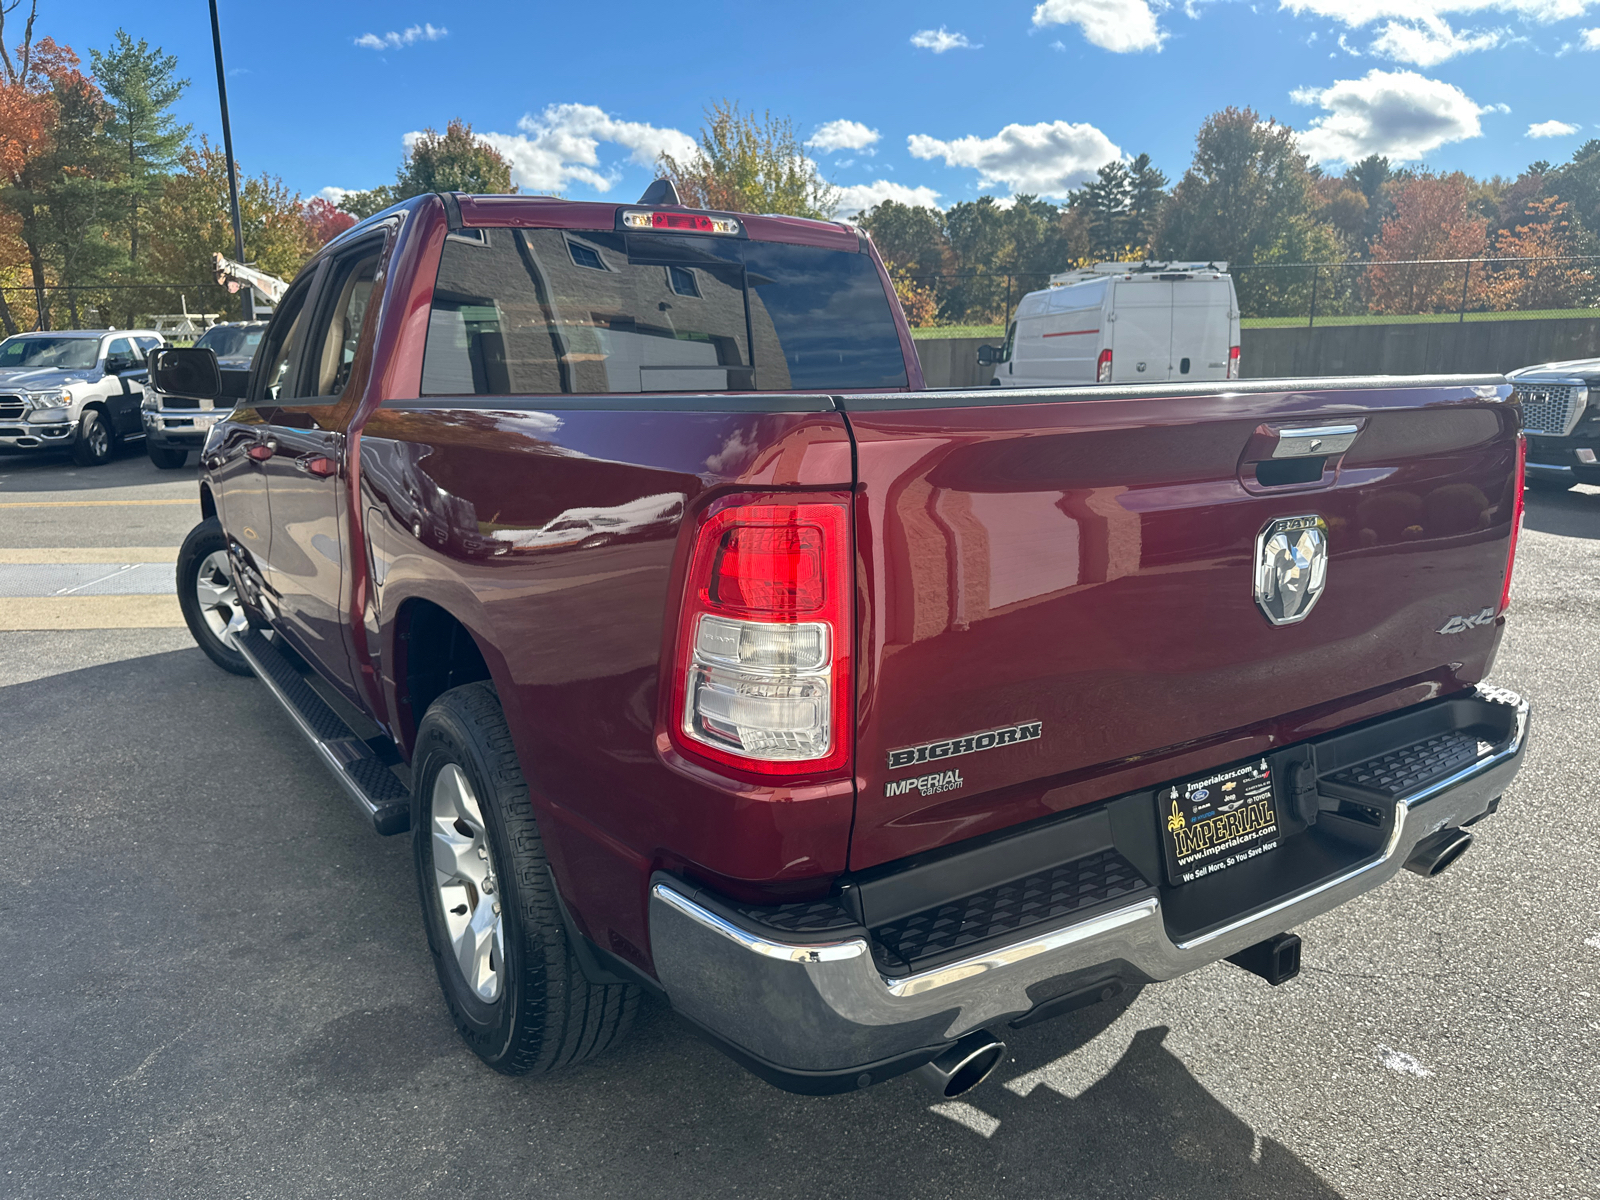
column 1201, row 328
column 1141, row 329
column 1082, row 570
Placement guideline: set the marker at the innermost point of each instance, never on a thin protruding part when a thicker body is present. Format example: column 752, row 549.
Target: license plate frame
column 1218, row 820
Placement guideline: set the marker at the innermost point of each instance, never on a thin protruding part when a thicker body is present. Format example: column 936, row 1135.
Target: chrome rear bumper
column 825, row 1007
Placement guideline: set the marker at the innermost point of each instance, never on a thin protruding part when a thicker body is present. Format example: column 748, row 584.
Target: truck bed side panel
column 551, row 529
column 1087, row 565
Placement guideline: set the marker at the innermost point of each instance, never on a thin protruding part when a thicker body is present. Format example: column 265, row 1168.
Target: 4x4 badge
column 1462, row 624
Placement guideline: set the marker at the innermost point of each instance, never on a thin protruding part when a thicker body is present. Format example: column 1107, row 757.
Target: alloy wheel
column 214, row 588
column 464, row 877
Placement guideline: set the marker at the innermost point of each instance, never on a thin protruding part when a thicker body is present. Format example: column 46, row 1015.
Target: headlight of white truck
column 54, row 398
column 151, row 401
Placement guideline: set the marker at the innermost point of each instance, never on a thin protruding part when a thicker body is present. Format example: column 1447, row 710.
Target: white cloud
column 862, row 196
column 1549, row 129
column 561, row 146
column 1589, row 39
column 941, row 39
column 1399, row 114
column 336, row 195
column 1356, row 13
column 408, row 37
column 1121, row 26
column 842, row 135
column 1429, row 40
column 1048, row 159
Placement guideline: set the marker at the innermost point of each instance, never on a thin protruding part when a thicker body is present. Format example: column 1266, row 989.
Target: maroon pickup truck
column 619, row 554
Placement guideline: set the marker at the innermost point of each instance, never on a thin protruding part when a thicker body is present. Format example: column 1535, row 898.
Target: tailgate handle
column 1320, row 440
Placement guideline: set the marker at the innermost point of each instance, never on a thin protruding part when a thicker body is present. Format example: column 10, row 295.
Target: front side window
column 538, row 311
column 352, row 281
column 68, row 354
column 278, row 371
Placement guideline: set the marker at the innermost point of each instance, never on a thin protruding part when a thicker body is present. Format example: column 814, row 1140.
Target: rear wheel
column 207, row 596
column 92, row 447
column 509, row 977
column 167, row 460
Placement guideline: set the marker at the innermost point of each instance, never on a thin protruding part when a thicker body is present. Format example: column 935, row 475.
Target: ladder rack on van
column 1101, row 270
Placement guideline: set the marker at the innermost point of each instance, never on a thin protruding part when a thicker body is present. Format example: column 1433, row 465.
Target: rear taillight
column 1102, row 368
column 1516, row 519
column 1233, row 362
column 762, row 678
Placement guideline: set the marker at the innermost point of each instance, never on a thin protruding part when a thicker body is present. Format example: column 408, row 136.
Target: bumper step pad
column 1413, row 767
column 1001, row 913
column 376, row 791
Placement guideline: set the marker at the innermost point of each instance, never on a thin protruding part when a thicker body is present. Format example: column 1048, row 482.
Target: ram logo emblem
column 1291, row 567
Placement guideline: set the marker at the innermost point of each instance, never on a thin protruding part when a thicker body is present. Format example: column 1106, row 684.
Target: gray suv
column 77, row 390
column 1561, row 416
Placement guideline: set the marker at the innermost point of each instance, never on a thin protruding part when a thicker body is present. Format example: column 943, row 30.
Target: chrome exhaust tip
column 964, row 1066
column 1434, row 854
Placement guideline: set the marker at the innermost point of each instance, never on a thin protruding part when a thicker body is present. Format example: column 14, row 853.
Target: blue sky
column 932, row 102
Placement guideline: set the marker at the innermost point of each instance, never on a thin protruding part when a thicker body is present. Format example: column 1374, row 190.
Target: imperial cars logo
column 926, row 785
column 1291, row 567
column 1010, row 735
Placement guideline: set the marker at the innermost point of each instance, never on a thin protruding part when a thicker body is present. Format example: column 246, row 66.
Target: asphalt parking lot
column 216, row 983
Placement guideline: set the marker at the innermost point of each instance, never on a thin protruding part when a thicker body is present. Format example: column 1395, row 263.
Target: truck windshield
column 230, row 341
column 537, row 311
column 73, row 354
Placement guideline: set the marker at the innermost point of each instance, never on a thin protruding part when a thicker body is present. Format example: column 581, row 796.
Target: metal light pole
column 246, row 295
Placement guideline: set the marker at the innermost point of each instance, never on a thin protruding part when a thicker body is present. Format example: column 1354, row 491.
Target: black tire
column 546, row 1014
column 92, row 446
column 167, row 460
column 199, row 553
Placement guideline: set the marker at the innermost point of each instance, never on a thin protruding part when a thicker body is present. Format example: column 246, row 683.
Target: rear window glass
column 537, row 311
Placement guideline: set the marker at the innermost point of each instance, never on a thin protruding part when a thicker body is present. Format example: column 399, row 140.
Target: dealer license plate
column 1218, row 820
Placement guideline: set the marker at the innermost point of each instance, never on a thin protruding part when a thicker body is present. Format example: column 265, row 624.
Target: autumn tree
column 194, row 224
column 327, row 221
column 140, row 87
column 1549, row 275
column 1431, row 221
column 746, row 162
column 57, row 192
column 917, row 299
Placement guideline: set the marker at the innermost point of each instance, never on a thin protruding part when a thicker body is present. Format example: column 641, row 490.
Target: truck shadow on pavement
column 235, row 998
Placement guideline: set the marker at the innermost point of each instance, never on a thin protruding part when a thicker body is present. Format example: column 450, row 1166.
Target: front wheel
column 92, row 447
column 207, row 595
column 168, row 460
column 509, row 977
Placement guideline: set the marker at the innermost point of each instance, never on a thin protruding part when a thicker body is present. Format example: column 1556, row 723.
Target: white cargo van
column 1123, row 323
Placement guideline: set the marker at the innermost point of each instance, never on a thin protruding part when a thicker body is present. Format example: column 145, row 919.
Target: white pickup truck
column 77, row 390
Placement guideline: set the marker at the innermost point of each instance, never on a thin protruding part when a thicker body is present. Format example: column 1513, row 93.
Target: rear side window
column 538, row 311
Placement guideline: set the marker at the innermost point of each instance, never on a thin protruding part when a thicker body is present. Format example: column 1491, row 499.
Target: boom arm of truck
column 269, row 289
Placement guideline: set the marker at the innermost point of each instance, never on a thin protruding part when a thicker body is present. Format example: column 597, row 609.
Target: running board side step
column 373, row 788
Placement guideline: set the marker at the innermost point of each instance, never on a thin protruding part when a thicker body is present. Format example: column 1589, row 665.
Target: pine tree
column 1107, row 200
column 1149, row 193
column 140, row 88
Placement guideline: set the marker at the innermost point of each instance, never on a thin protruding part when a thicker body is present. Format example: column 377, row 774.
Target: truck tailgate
column 1073, row 571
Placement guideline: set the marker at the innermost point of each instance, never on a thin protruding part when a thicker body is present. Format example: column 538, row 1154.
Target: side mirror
column 988, row 355
column 186, row 371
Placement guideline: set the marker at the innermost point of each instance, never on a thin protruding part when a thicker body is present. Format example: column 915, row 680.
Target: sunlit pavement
column 216, row 982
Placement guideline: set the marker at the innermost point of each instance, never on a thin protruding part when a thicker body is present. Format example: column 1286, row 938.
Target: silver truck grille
column 11, row 408
column 1550, row 408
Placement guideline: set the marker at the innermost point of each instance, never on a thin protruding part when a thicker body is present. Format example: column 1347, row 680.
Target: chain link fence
column 1311, row 294
column 181, row 311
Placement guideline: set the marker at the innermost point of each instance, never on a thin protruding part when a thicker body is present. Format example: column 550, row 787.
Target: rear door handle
column 319, row 465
